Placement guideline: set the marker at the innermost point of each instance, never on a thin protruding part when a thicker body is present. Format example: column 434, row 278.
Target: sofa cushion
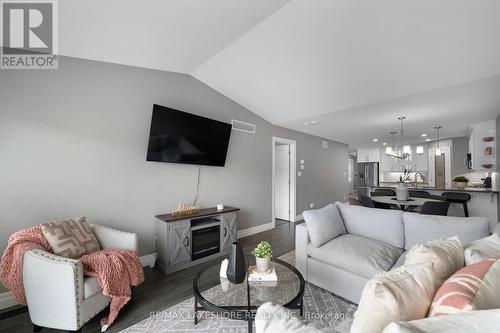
column 71, row 238
column 404, row 293
column 356, row 254
column 485, row 321
column 401, row 260
column 379, row 224
column 323, row 224
column 447, row 256
column 419, row 229
column 90, row 286
column 474, row 287
column 482, row 249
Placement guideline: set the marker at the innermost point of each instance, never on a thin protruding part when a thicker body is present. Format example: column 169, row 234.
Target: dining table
column 402, row 204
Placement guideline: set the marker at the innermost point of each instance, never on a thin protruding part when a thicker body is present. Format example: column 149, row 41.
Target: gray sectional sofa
column 340, row 247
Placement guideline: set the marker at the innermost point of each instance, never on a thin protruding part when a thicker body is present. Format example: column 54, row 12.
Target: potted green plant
column 460, row 181
column 263, row 253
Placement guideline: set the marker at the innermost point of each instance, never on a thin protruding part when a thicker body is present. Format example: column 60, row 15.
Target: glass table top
column 220, row 292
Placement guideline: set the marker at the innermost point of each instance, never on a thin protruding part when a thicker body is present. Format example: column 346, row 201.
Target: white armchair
column 57, row 293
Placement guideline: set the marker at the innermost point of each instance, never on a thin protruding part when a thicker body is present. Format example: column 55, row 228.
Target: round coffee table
column 240, row 301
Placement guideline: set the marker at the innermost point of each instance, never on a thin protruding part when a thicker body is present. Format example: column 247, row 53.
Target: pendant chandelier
column 400, row 151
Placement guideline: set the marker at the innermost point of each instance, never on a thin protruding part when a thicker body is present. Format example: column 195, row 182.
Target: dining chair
column 382, row 205
column 386, row 191
column 418, row 194
column 458, row 197
column 437, row 197
column 366, row 201
column 435, row 208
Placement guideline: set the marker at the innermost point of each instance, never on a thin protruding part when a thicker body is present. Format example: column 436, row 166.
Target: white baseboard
column 255, row 230
column 7, row 299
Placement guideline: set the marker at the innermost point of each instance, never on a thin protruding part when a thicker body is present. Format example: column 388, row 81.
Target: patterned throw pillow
column 474, row 287
column 482, row 249
column 70, row 238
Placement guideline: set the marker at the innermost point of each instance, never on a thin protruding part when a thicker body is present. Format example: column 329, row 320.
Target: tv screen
column 181, row 137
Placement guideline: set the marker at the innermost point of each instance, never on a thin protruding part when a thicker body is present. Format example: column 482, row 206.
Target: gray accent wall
column 73, row 142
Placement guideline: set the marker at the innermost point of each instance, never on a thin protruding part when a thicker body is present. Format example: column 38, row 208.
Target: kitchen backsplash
column 476, row 176
column 392, row 177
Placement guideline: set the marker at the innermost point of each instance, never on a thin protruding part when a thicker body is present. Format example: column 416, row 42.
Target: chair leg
column 37, row 328
column 466, row 211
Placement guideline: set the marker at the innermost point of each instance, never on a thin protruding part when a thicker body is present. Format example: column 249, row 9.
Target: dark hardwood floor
column 159, row 291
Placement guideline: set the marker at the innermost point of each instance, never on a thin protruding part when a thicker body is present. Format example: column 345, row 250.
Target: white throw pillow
column 324, row 224
column 402, row 294
column 482, row 249
column 272, row 318
column 447, row 256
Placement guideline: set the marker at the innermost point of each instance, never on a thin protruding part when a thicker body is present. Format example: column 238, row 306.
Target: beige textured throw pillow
column 447, row 256
column 401, row 294
column 482, row 249
column 70, row 238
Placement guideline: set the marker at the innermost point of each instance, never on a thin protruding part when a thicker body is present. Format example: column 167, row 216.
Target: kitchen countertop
column 454, row 189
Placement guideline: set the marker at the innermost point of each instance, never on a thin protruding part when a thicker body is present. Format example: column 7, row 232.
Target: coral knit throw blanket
column 116, row 269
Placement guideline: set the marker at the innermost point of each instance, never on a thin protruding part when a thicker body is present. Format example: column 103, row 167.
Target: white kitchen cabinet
column 420, row 161
column 368, row 155
column 386, row 162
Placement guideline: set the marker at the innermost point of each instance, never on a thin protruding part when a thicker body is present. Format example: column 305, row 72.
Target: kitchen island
column 483, row 202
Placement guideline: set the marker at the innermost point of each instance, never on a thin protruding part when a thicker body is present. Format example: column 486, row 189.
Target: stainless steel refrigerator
column 368, row 177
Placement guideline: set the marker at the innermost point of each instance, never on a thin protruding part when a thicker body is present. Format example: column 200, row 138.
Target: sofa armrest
column 110, row 238
column 54, row 288
column 301, row 242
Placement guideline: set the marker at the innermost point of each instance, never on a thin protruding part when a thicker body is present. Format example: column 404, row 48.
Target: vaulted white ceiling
column 338, row 58
column 352, row 65
column 170, row 35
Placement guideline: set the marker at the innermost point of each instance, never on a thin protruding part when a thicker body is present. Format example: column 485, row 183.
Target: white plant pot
column 460, row 184
column 402, row 193
column 263, row 264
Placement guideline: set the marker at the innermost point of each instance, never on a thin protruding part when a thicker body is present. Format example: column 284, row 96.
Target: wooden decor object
column 184, row 210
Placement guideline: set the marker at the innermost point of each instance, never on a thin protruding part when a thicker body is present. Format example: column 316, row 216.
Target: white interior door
column 350, row 176
column 282, row 182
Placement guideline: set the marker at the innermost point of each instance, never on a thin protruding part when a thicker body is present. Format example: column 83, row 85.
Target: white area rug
column 320, row 306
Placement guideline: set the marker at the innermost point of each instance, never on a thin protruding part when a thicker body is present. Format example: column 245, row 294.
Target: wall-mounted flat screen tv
column 181, row 137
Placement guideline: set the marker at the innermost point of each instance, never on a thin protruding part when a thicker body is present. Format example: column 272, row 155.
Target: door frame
column 293, row 177
column 446, row 151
